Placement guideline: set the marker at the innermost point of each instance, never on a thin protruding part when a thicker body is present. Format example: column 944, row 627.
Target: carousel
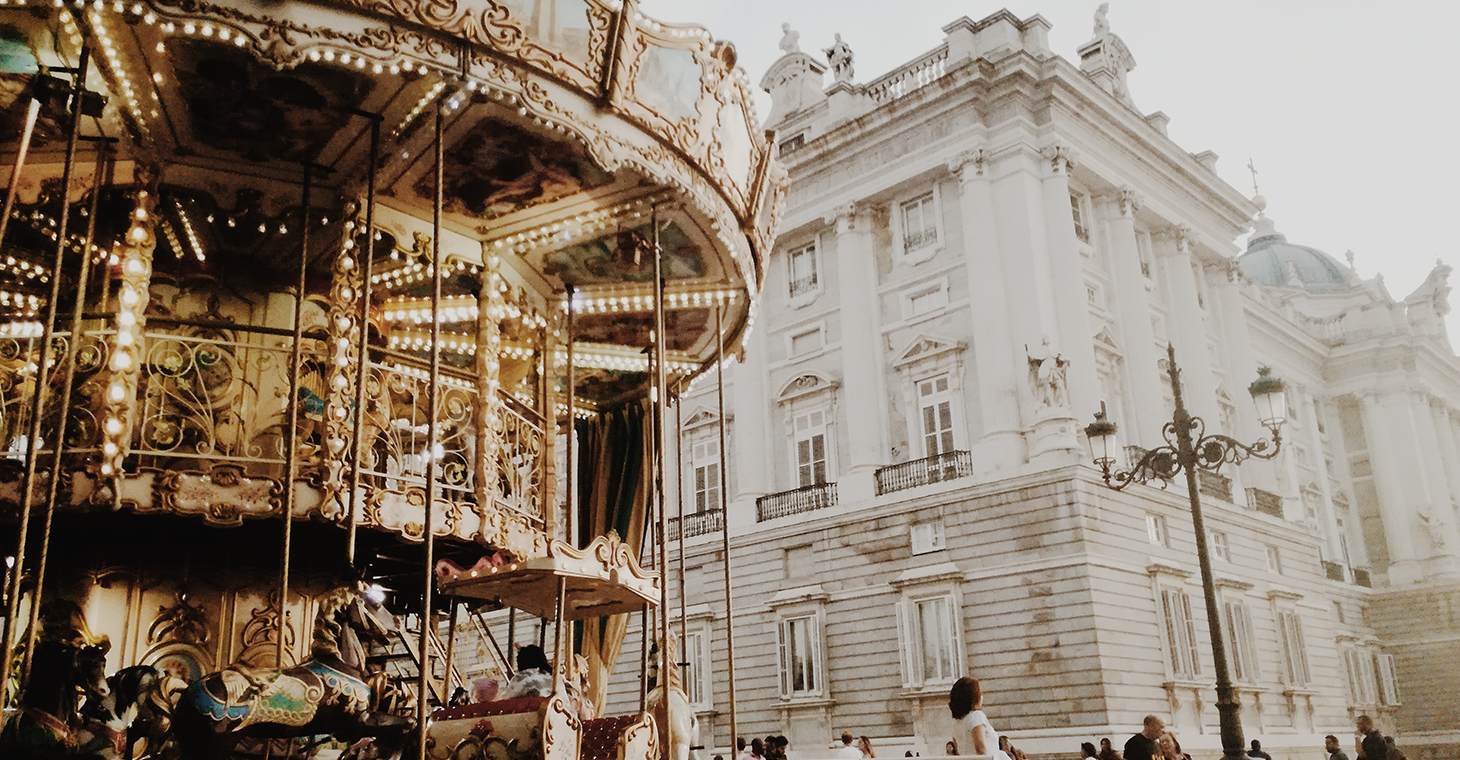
column 421, row 277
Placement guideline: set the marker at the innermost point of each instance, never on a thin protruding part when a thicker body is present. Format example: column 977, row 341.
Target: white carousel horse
column 684, row 726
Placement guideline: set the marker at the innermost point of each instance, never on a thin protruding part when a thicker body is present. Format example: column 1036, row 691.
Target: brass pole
column 679, row 488
column 450, row 649
column 31, row 112
column 363, row 371
column 38, row 404
column 433, row 433
column 725, row 510
column 291, row 422
column 572, row 496
column 660, row 392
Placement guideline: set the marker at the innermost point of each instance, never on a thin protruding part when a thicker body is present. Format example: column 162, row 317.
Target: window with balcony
column 707, row 475
column 1179, row 629
column 811, row 449
column 935, row 409
column 803, row 265
column 919, row 224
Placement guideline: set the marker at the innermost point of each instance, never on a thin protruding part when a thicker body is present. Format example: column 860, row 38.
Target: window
column 1241, row 651
column 928, row 634
column 1295, row 651
column 927, row 537
column 811, row 449
column 1274, row 560
column 803, row 270
column 1388, row 681
column 935, row 405
column 1156, row 531
column 794, row 143
column 697, row 674
column 1219, row 546
column 707, row 476
column 1180, row 634
column 1081, row 217
column 1359, row 666
column 807, row 341
column 919, row 224
column 800, row 647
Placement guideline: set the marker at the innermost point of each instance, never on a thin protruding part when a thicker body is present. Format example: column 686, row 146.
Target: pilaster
column 866, row 407
column 1386, row 452
column 1189, row 333
column 1132, row 303
column 1002, row 444
column 1241, row 368
column 750, row 405
column 1067, row 268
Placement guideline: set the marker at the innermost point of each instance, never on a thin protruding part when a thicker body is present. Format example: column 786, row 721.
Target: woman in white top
column 965, row 701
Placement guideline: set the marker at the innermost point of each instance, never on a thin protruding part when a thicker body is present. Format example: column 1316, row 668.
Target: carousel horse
column 106, row 722
column 327, row 694
column 42, row 728
column 684, row 726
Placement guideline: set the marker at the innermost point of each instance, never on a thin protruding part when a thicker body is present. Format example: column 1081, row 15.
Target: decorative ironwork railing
column 19, row 360
column 1334, row 571
column 950, row 465
column 804, row 285
column 395, row 428
column 1361, row 577
column 919, row 240
column 520, row 458
column 1214, row 484
column 1265, row 502
column 221, row 393
column 795, row 501
column 697, row 524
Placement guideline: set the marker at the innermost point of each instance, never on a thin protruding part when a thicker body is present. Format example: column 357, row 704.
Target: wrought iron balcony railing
column 1214, row 484
column 1265, row 502
column 795, row 501
column 803, row 285
column 1334, row 571
column 697, row 524
column 950, row 465
column 1361, row 577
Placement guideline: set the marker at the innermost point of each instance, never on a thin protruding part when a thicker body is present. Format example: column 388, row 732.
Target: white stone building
column 910, row 500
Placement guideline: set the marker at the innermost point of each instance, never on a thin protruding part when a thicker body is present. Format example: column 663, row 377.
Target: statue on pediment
column 839, row 55
column 790, row 40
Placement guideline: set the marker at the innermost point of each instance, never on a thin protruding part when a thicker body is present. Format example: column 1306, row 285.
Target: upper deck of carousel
column 247, row 140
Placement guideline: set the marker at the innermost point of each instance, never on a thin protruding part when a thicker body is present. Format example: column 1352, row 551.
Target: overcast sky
column 1349, row 109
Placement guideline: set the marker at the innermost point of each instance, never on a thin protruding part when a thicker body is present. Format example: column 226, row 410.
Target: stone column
column 1188, row 328
column 1242, row 370
column 749, row 403
column 1067, row 268
column 1002, row 446
column 1387, row 446
column 866, row 409
column 1132, row 306
column 1435, row 513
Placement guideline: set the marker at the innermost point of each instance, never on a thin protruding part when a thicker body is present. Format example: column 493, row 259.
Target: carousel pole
column 38, row 404
column 291, row 422
column 679, row 491
column 450, row 649
column 661, row 391
column 69, row 362
column 13, row 572
column 572, row 452
column 361, row 375
column 433, row 432
column 725, row 509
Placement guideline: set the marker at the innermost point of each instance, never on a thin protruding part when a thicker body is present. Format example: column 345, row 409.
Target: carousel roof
column 576, row 134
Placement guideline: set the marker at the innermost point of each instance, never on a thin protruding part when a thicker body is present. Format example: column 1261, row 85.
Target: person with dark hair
column 951, row 748
column 756, row 751
column 1142, row 746
column 1087, row 751
column 739, row 744
column 1330, row 743
column 864, row 745
column 1107, row 752
column 1394, row 752
column 534, row 676
column 1257, row 752
column 965, row 702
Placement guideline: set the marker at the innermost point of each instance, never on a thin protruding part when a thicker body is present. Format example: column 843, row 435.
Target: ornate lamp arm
column 1209, row 452
column 1215, row 450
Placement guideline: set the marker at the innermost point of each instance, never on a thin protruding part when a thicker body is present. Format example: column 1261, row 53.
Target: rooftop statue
column 1102, row 24
column 790, row 40
column 839, row 55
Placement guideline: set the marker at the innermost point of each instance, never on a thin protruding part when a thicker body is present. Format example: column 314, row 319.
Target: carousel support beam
column 31, row 112
column 725, row 510
column 679, row 492
column 571, row 453
column 362, row 374
column 451, row 649
column 433, row 434
column 291, row 422
column 37, row 408
column 69, row 362
column 661, row 392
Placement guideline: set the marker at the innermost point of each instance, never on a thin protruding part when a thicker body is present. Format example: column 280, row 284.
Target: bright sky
column 1349, row 109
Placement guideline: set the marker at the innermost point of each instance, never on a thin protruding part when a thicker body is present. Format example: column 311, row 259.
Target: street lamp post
column 1188, row 450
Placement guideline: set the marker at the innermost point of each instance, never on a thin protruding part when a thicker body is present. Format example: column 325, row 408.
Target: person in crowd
column 1257, row 752
column 965, row 702
column 1007, row 747
column 1142, row 745
column 773, row 749
column 951, row 748
column 782, row 745
column 1087, row 751
column 1170, row 748
column 1394, row 752
column 1330, row 743
column 846, row 750
column 1107, row 751
column 755, row 752
column 534, row 676
column 739, row 745
column 1370, row 743
column 864, row 745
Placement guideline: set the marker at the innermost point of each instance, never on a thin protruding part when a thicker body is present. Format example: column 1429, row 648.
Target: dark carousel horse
column 107, row 731
column 43, row 727
column 326, row 694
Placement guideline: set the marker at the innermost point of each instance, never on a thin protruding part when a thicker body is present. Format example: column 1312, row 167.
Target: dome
column 1271, row 260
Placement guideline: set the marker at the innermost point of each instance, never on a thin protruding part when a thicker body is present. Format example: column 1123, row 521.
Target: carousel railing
column 521, row 458
column 395, row 426
column 218, row 392
column 18, row 359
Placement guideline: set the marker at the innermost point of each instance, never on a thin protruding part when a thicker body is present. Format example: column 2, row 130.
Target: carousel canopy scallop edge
column 229, row 151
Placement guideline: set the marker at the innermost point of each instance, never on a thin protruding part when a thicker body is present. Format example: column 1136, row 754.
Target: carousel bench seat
column 600, row 737
column 488, row 709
